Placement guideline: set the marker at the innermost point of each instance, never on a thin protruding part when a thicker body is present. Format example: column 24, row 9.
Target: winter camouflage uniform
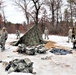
column 74, row 40
column 46, row 33
column 75, row 32
column 70, row 35
column 3, row 37
column 18, row 34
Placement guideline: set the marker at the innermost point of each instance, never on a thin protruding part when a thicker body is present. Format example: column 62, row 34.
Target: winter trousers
column 69, row 38
column 18, row 36
column 46, row 36
column 2, row 44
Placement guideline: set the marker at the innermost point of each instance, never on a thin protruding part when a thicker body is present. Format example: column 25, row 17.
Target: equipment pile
column 20, row 65
column 31, row 50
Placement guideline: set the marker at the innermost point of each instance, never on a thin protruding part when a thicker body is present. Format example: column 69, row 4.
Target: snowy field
column 53, row 65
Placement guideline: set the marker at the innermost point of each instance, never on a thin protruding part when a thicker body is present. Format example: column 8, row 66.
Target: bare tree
column 44, row 19
column 23, row 5
column 52, row 7
column 66, row 16
column 55, row 9
column 70, row 5
column 58, row 10
column 2, row 6
column 37, row 5
column 74, row 8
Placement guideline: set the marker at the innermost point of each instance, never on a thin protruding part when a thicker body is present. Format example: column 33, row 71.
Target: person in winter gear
column 46, row 33
column 70, row 34
column 3, row 38
column 18, row 34
column 73, row 33
column 74, row 37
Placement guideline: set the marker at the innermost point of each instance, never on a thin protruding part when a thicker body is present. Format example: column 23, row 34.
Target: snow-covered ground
column 61, row 41
column 54, row 65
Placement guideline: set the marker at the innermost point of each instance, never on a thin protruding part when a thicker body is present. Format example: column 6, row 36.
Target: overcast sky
column 12, row 14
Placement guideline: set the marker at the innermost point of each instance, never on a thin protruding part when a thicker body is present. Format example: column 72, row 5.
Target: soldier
column 74, row 38
column 73, row 33
column 70, row 34
column 21, row 48
column 18, row 34
column 46, row 33
column 3, row 38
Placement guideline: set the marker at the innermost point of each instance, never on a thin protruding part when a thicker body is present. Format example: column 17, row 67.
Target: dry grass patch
column 51, row 44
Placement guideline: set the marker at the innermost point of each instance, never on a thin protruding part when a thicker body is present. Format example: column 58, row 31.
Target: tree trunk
column 71, row 13
column 53, row 14
column 31, row 37
column 57, row 18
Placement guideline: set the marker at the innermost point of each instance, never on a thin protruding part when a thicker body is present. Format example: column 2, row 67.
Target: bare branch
column 23, row 5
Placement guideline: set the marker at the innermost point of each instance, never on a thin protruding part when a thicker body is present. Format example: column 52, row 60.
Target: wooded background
column 58, row 22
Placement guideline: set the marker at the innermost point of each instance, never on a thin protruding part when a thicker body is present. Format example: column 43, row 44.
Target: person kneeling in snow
column 3, row 38
column 21, row 48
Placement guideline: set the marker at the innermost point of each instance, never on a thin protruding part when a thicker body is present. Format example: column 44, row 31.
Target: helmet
column 3, row 28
